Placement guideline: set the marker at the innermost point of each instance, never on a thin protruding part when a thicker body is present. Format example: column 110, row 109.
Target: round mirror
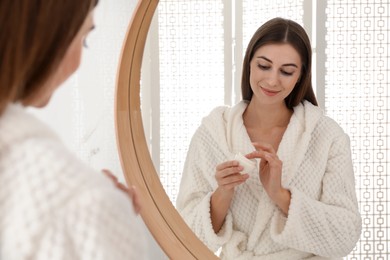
column 162, row 219
column 160, row 215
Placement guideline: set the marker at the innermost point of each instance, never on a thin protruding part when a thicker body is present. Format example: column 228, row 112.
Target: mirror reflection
column 273, row 209
column 193, row 64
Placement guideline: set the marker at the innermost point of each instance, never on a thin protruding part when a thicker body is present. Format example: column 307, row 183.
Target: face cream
column 249, row 165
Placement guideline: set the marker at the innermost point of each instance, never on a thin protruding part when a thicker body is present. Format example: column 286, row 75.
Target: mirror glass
column 191, row 64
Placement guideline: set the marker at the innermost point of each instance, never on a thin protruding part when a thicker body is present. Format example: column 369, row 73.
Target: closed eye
column 262, row 67
column 286, row 73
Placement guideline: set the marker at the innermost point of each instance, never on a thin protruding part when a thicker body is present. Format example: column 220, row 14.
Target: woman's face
column 67, row 67
column 274, row 71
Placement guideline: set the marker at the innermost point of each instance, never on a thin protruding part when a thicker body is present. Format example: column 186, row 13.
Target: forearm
column 220, row 203
column 282, row 200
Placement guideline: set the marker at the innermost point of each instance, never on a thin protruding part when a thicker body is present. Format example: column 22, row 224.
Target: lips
column 269, row 93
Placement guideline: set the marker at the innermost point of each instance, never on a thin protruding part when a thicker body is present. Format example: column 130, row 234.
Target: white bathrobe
column 53, row 206
column 323, row 219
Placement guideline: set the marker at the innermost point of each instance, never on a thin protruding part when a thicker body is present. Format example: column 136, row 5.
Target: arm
column 329, row 226
column 203, row 205
column 228, row 177
column 219, row 206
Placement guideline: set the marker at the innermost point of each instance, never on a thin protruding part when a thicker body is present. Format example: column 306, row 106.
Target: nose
column 273, row 78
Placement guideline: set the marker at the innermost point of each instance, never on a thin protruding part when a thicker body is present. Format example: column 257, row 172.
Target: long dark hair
column 34, row 37
column 279, row 30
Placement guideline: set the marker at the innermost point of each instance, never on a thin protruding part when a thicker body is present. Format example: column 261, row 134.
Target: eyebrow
column 270, row 61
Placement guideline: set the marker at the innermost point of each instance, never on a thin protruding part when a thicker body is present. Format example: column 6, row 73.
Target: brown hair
column 279, row 30
column 34, row 37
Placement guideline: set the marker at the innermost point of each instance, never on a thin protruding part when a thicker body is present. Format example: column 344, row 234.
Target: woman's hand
column 228, row 176
column 271, row 174
column 132, row 192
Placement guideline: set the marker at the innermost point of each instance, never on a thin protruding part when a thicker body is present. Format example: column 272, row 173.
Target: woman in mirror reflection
column 53, row 206
column 299, row 201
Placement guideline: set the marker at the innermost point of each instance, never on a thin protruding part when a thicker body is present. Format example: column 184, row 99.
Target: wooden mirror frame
column 162, row 219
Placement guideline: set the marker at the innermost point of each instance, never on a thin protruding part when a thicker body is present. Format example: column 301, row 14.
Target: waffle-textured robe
column 323, row 219
column 53, row 206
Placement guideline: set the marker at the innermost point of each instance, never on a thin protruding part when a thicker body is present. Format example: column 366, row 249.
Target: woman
column 52, row 205
column 299, row 202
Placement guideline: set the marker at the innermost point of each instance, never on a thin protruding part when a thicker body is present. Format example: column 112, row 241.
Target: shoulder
column 17, row 125
column 216, row 112
column 215, row 125
column 225, row 113
column 316, row 117
column 33, row 159
column 29, row 143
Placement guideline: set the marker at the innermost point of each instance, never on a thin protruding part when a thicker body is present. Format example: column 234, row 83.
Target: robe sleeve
column 330, row 226
column 196, row 187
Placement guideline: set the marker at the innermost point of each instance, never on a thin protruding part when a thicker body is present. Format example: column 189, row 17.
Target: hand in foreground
column 271, row 174
column 132, row 192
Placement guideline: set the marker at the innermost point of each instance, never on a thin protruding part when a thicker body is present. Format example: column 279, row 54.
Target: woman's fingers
column 264, row 147
column 135, row 199
column 265, row 157
column 227, row 164
column 263, row 151
column 228, row 174
column 233, row 178
column 258, row 154
column 110, row 175
column 131, row 192
column 232, row 185
column 228, row 168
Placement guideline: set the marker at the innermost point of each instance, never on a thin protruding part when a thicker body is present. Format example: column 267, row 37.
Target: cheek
column 69, row 64
column 73, row 59
column 253, row 76
column 252, row 81
column 291, row 83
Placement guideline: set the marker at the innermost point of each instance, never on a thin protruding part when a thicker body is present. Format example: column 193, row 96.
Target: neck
column 266, row 116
